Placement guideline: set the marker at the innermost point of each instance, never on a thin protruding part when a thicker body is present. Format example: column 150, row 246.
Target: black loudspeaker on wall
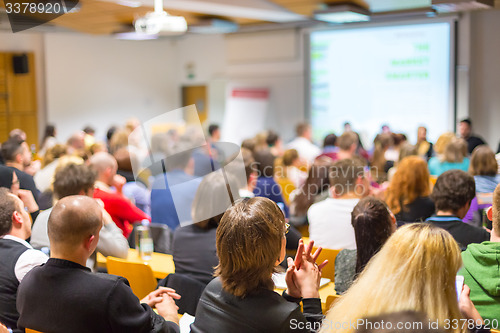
column 20, row 64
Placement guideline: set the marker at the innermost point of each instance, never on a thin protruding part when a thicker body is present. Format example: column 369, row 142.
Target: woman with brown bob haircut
column 408, row 193
column 250, row 245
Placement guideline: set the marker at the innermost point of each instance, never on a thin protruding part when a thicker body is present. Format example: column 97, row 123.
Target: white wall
column 100, row 81
column 272, row 60
column 485, row 76
column 30, row 42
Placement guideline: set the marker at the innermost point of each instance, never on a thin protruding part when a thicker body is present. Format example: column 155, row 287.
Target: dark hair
column 330, row 140
column 272, row 138
column 249, row 239
column 7, row 208
column 50, row 130
column 72, row 179
column 372, row 225
column 11, row 148
column 110, row 132
column 453, row 190
column 265, row 162
column 89, row 130
column 467, row 120
column 212, row 128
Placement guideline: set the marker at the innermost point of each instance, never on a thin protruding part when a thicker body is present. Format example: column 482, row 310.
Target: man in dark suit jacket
column 452, row 195
column 17, row 156
column 465, row 129
column 65, row 296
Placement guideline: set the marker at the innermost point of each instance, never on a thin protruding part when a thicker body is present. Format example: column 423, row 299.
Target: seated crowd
column 409, row 224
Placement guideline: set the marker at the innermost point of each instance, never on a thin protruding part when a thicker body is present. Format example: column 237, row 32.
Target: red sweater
column 122, row 211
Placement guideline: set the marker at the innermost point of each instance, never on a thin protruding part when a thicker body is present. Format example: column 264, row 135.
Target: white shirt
column 305, row 148
column 28, row 260
column 330, row 223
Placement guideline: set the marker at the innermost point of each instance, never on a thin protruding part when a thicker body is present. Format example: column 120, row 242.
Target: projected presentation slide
column 394, row 75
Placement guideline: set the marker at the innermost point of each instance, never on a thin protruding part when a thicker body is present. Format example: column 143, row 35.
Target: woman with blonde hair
column 408, row 193
column 452, row 154
column 414, row 270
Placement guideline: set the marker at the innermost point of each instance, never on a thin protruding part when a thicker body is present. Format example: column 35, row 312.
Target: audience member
column 76, row 143
column 9, row 180
column 274, row 143
column 408, row 193
column 424, row 147
column 44, row 177
column 18, row 134
column 330, row 220
column 18, row 257
column 392, row 153
column 79, row 179
column 173, row 192
column 415, row 270
column 123, row 212
column 315, row 189
column 347, row 143
column 379, row 165
column 89, row 136
column 75, row 299
column 136, row 191
column 454, row 157
column 405, row 150
column 481, row 267
column 246, row 190
column 292, row 168
column 302, row 143
column 373, row 223
column 194, row 250
column 159, row 151
column 330, row 148
column 49, row 139
column 484, row 168
column 250, row 244
column 452, row 195
column 17, row 156
column 266, row 186
column 465, row 131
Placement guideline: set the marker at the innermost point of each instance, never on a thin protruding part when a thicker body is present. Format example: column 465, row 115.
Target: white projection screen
column 401, row 75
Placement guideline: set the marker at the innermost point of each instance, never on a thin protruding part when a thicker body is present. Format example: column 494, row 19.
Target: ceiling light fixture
column 342, row 13
column 450, row 6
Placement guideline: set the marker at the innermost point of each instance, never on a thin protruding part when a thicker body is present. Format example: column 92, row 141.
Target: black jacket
column 265, row 311
column 62, row 296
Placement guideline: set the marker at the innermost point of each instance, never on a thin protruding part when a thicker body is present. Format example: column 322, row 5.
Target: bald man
column 123, row 212
column 65, row 296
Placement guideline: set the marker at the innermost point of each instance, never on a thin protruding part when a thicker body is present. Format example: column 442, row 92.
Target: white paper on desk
column 280, row 283
column 185, row 323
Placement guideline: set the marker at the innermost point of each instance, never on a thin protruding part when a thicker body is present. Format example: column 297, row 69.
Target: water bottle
column 143, row 241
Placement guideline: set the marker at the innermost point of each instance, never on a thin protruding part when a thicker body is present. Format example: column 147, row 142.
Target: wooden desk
column 324, row 292
column 162, row 264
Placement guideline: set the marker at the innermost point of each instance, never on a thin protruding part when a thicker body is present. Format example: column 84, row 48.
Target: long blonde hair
column 414, row 270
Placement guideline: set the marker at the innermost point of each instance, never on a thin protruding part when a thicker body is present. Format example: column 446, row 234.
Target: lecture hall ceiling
column 110, row 16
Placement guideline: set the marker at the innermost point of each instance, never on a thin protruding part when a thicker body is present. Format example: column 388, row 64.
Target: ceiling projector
column 161, row 23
